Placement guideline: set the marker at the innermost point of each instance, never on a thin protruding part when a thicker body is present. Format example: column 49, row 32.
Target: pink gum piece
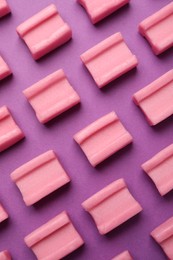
column 4, row 8
column 55, row 239
column 123, row 256
column 3, row 214
column 157, row 29
column 160, row 170
column 51, row 96
column 99, row 9
column 10, row 133
column 4, row 255
column 113, row 198
column 44, row 32
column 4, row 69
column 39, row 177
column 164, row 236
column 103, row 138
column 101, row 62
column 155, row 100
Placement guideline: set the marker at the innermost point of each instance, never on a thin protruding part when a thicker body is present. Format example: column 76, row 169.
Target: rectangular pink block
column 164, row 236
column 51, row 96
column 4, row 8
column 5, row 255
column 39, row 177
column 99, row 9
column 4, row 69
column 55, row 239
column 112, row 206
column 103, row 138
column 160, row 170
column 44, row 32
column 101, row 62
column 3, row 214
column 123, row 256
column 157, row 29
column 155, row 100
column 10, row 133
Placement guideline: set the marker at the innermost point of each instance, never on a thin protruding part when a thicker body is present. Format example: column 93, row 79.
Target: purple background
column 58, row 134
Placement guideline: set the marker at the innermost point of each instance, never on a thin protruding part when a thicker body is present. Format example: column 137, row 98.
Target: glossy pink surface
column 10, row 133
column 123, row 256
column 163, row 235
column 44, row 31
column 3, row 213
column 5, row 255
column 114, row 50
column 51, row 96
column 160, row 169
column 99, row 9
column 113, row 198
column 103, row 138
column 55, row 239
column 4, row 69
column 39, row 177
column 157, row 29
column 4, row 8
column 155, row 100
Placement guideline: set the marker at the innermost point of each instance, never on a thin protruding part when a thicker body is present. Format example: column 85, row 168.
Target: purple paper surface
column 58, row 134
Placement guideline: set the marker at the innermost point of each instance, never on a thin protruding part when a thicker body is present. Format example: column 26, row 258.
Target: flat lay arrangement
column 86, row 130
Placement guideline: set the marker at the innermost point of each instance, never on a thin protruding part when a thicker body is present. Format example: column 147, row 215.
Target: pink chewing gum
column 4, row 255
column 123, row 256
column 155, row 100
column 10, row 133
column 4, row 8
column 3, row 214
column 112, row 206
column 51, row 96
column 157, row 29
column 160, row 170
column 101, row 62
column 39, row 177
column 164, row 236
column 4, row 69
column 103, row 138
column 99, row 9
column 44, row 32
column 55, row 239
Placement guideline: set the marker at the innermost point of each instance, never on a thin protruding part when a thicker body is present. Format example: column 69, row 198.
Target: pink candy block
column 4, row 255
column 4, row 8
column 4, row 69
column 160, row 170
column 39, row 177
column 112, row 206
column 109, row 60
column 103, row 138
column 99, row 9
column 155, row 100
column 10, row 133
column 51, row 96
column 164, row 236
column 157, row 29
column 44, row 32
column 55, row 239
column 3, row 214
column 123, row 256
